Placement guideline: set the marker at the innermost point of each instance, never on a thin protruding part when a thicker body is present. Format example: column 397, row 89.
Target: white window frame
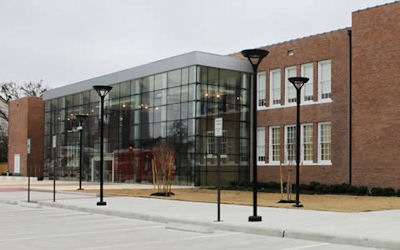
column 325, row 162
column 261, row 89
column 260, row 145
column 289, row 85
column 320, row 64
column 302, row 143
column 309, row 83
column 271, row 83
column 211, row 144
column 285, row 142
column 270, row 153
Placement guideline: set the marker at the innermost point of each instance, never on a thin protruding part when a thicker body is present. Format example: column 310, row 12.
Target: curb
column 342, row 239
column 29, row 204
column 276, row 232
column 63, row 192
column 254, row 229
column 9, row 202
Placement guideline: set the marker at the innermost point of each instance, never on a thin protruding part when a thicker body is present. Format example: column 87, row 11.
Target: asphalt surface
column 54, row 228
column 278, row 229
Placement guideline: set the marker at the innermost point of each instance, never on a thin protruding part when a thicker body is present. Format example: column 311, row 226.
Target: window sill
column 323, row 101
column 273, row 164
column 211, row 156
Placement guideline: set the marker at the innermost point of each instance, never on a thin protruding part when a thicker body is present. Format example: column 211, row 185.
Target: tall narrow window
column 307, row 90
column 324, row 79
column 307, row 143
column 274, row 144
column 275, row 87
column 224, row 144
column 324, row 141
column 261, row 89
column 261, row 144
column 290, row 92
column 210, row 142
column 290, row 142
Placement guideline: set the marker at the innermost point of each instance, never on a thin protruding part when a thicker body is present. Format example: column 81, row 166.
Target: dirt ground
column 339, row 203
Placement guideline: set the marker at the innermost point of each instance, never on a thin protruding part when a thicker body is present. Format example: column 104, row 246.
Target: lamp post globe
column 298, row 83
column 255, row 56
column 102, row 91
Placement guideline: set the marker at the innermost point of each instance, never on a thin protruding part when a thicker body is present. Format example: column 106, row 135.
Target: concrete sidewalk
column 372, row 229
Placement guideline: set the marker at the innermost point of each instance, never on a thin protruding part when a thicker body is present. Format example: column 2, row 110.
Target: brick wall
column 376, row 99
column 376, row 96
column 332, row 46
column 26, row 120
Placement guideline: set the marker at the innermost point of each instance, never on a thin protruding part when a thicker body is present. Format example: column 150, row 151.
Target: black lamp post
column 298, row 83
column 255, row 57
column 102, row 91
column 81, row 119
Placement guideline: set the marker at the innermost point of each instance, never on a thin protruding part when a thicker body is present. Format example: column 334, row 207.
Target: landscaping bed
column 325, row 202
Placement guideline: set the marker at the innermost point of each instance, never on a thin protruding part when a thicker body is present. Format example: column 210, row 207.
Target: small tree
column 163, row 164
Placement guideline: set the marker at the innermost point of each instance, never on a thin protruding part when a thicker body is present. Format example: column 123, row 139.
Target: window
column 261, row 144
column 290, row 93
column 274, row 144
column 307, row 90
column 261, row 89
column 224, row 144
column 290, row 141
column 275, row 87
column 324, row 142
column 211, row 140
column 324, row 79
column 307, row 143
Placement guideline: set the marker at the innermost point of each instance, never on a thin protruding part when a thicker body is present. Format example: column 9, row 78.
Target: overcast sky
column 65, row 41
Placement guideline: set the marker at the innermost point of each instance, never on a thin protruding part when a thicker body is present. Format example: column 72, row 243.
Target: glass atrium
column 177, row 107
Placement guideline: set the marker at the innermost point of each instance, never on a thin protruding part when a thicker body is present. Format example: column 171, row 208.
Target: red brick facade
column 376, row 100
column 376, row 96
column 26, row 120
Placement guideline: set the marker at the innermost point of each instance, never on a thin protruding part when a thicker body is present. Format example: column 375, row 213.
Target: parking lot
column 53, row 228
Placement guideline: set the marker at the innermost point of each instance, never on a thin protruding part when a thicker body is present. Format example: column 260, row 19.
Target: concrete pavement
column 370, row 229
column 51, row 228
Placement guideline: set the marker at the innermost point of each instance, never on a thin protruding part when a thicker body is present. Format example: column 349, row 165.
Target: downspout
column 350, row 107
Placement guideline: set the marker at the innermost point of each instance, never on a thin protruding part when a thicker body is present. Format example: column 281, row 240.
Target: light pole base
column 295, row 205
column 255, row 218
column 101, row 203
column 79, row 189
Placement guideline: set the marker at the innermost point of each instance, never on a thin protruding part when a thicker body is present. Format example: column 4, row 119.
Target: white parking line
column 141, row 244
column 308, row 246
column 83, row 233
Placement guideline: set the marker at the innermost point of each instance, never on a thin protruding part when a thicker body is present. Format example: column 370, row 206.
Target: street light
column 102, row 91
column 81, row 119
column 255, row 57
column 298, row 83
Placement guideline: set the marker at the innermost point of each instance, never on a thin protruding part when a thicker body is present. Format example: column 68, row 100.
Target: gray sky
column 65, row 41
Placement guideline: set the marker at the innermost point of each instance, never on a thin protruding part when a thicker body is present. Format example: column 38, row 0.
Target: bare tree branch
column 9, row 91
column 33, row 88
column 3, row 115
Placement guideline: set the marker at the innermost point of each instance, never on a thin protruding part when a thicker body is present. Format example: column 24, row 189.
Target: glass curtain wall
column 176, row 107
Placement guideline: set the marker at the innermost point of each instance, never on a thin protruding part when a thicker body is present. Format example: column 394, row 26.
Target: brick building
column 350, row 111
column 26, row 120
column 355, row 88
